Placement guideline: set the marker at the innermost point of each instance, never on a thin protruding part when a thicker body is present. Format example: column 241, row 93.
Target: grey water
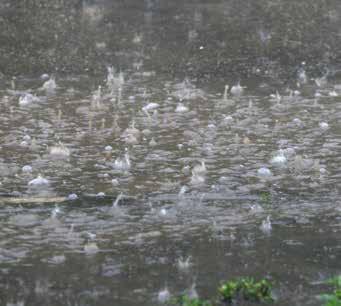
column 194, row 142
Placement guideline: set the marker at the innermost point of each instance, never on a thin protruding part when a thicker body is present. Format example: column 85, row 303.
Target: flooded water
column 126, row 178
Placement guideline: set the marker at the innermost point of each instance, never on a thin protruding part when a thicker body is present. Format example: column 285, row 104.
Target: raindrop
column 266, row 226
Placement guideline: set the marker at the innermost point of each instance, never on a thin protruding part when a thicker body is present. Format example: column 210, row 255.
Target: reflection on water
column 172, row 183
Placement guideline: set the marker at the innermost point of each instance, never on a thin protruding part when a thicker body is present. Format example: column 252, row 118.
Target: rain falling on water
column 125, row 181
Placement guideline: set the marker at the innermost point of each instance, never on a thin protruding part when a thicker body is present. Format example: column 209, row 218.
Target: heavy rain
column 151, row 149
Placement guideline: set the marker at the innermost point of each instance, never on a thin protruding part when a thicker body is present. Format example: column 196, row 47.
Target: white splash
column 324, row 125
column 150, row 106
column 163, row 295
column 50, row 86
column 200, row 169
column 59, row 151
column 184, row 264
column 266, row 226
column 123, row 164
column 237, row 90
column 27, row 99
column 39, row 181
column 118, row 199
column 27, row 169
column 181, row 108
column 279, row 160
column 276, row 97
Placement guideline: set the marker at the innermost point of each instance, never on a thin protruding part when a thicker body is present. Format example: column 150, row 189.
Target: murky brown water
column 167, row 168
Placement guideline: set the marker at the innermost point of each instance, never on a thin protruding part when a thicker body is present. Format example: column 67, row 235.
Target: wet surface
column 156, row 169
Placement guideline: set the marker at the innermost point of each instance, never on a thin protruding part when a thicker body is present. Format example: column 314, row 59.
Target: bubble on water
column 27, row 169
column 297, row 122
column 100, row 195
column 91, row 248
column 44, row 77
column 264, row 172
column 115, row 182
column 24, row 143
column 150, row 106
column 163, row 212
column 323, row 171
column 72, row 197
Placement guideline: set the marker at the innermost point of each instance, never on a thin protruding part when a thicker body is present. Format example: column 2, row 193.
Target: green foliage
column 187, row 301
column 336, row 281
column 265, row 197
column 333, row 299
column 247, row 289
